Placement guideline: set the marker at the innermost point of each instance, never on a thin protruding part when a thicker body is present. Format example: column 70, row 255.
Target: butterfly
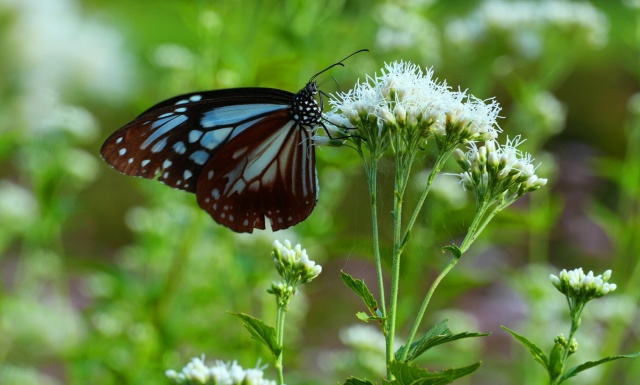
column 247, row 153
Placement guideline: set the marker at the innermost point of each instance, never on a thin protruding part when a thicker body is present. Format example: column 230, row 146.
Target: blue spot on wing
column 229, row 115
column 167, row 124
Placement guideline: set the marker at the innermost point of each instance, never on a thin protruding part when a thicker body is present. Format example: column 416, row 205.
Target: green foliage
column 535, row 351
column 361, row 289
column 261, row 332
column 590, row 364
column 437, row 335
column 555, row 363
column 406, row 374
column 357, row 381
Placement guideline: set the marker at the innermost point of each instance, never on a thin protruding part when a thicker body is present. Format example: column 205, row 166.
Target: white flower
column 293, row 263
column 363, row 337
column 221, row 373
column 404, row 100
column 576, row 284
column 524, row 22
column 493, row 171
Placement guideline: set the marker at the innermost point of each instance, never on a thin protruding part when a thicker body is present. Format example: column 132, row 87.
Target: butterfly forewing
column 274, row 177
column 174, row 139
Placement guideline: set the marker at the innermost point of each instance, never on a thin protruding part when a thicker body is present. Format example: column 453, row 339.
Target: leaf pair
column 552, row 365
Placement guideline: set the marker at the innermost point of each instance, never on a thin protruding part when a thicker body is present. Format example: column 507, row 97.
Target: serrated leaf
column 454, row 250
column 590, row 364
column 261, row 332
column 535, row 351
column 357, row 381
column 406, row 374
column 437, row 335
column 438, row 329
column 361, row 289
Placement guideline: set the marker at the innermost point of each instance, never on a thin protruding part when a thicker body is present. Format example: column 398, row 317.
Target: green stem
column 403, row 165
column 474, row 230
column 395, row 274
column 280, row 339
column 437, row 167
column 425, row 303
column 372, row 177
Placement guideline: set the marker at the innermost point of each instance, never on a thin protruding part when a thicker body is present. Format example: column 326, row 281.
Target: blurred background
column 107, row 279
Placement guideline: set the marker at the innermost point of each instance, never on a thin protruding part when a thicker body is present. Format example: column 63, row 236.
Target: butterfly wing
column 267, row 171
column 173, row 140
column 239, row 150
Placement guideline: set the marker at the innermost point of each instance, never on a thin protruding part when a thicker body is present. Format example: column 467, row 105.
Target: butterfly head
column 306, row 109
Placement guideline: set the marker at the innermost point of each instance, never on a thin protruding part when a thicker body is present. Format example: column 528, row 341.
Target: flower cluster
column 524, row 22
column 405, row 101
column 495, row 172
column 221, row 373
column 293, row 264
column 577, row 285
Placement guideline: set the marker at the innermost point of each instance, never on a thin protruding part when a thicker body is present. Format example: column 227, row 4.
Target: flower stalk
column 295, row 267
column 400, row 111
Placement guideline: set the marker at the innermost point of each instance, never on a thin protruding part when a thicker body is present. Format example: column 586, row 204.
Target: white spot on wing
column 119, row 140
column 145, row 162
column 195, row 98
column 166, row 163
column 187, row 174
column 122, row 151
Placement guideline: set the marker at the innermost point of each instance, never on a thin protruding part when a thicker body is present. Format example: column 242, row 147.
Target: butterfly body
column 247, row 153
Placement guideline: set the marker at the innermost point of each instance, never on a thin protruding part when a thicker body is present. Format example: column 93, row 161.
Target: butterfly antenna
column 336, row 64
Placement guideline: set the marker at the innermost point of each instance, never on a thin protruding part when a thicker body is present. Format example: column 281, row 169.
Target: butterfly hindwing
column 266, row 171
column 173, row 140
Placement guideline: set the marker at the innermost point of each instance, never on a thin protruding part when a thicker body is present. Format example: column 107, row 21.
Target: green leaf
column 556, row 362
column 535, row 351
column 437, row 335
column 407, row 374
column 362, row 316
column 357, row 381
column 590, row 364
column 454, row 250
column 261, row 332
column 359, row 287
